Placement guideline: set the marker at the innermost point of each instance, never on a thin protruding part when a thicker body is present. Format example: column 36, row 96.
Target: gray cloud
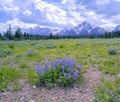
column 62, row 13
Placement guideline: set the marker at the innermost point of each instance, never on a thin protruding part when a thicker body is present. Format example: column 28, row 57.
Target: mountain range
column 84, row 28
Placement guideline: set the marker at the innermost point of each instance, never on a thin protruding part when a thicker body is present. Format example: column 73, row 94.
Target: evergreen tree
column 50, row 36
column 18, row 33
column 8, row 33
column 57, row 37
column 1, row 37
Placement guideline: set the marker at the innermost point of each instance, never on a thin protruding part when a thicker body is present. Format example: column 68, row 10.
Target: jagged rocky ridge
column 82, row 29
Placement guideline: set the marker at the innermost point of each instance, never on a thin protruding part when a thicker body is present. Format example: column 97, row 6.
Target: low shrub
column 50, row 46
column 116, row 97
column 30, row 52
column 39, row 47
column 62, row 72
column 109, row 66
column 5, row 52
column 108, row 91
column 22, row 64
column 1, row 63
column 11, row 46
column 7, row 76
column 61, row 46
column 113, row 51
column 33, row 77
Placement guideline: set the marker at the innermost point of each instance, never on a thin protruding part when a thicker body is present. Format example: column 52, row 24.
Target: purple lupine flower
column 72, row 62
column 71, row 70
column 113, row 51
column 68, row 67
column 116, row 49
column 110, row 48
column 65, row 75
column 75, row 75
column 53, row 65
column 38, row 68
column 56, row 62
column 30, row 52
column 79, row 67
column 65, row 61
column 69, row 75
column 59, row 61
column 63, row 68
column 46, row 67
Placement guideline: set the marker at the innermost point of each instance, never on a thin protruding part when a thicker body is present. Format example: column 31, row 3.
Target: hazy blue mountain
column 39, row 31
column 67, row 31
column 87, row 28
column 117, row 28
column 82, row 29
column 98, row 30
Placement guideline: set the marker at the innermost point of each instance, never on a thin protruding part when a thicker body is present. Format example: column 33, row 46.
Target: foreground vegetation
column 18, row 61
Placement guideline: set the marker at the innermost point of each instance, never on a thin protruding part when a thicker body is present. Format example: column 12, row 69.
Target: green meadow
column 17, row 64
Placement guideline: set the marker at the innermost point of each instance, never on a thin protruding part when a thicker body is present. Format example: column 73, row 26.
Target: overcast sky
column 59, row 13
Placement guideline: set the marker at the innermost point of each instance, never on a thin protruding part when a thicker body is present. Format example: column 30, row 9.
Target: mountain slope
column 82, row 29
column 39, row 31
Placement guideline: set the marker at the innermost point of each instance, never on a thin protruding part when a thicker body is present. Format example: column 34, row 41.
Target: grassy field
column 17, row 63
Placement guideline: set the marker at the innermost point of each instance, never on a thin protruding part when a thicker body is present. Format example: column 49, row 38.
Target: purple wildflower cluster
column 68, row 67
column 30, row 52
column 113, row 50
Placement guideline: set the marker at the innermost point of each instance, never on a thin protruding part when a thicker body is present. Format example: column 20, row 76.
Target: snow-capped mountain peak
column 84, row 28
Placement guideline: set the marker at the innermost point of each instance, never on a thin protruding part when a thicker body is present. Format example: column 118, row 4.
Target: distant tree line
column 115, row 34
column 19, row 35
